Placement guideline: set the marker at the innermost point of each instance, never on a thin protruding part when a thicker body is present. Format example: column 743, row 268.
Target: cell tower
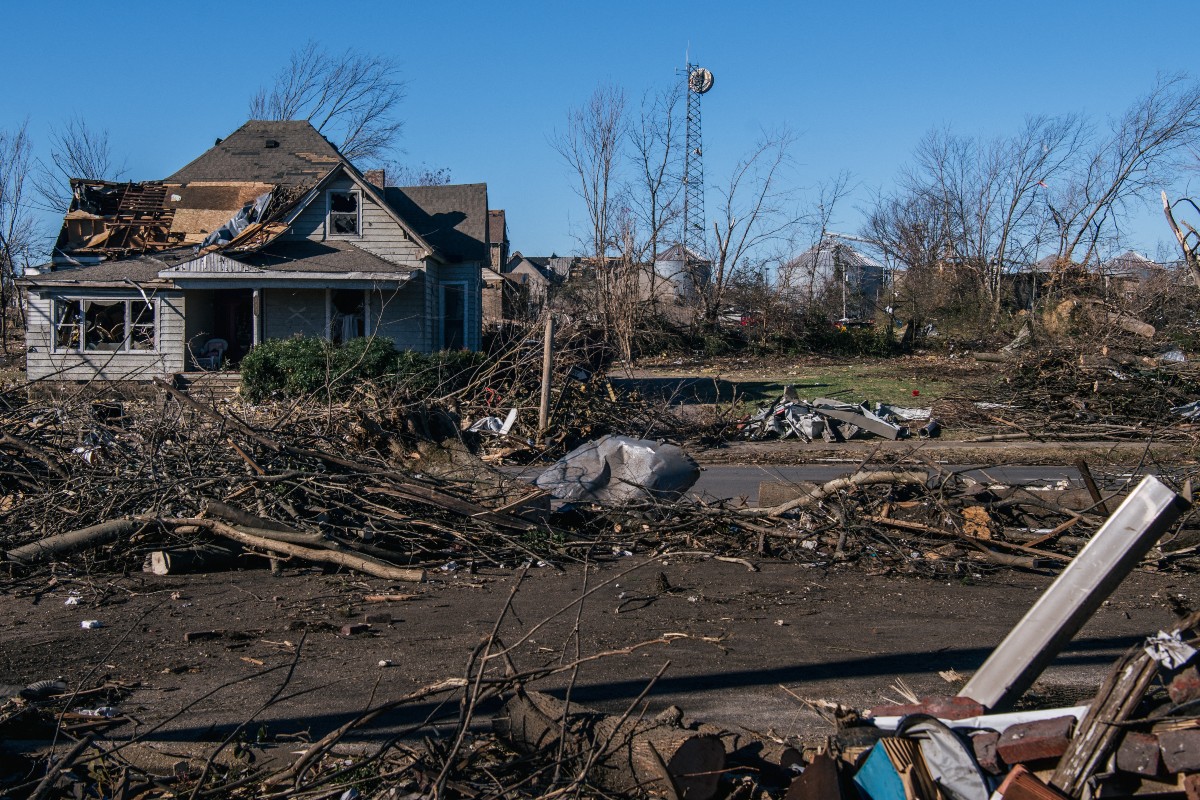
column 699, row 80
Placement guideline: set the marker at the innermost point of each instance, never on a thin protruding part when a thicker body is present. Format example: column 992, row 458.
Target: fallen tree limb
column 37, row 452
column 627, row 755
column 215, row 508
column 919, row 528
column 850, row 482
column 84, row 538
column 354, row 561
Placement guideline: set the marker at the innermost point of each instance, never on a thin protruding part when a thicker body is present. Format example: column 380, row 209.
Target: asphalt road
column 731, row 482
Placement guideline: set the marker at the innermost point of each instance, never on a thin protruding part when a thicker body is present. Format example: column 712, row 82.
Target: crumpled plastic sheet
column 252, row 212
column 620, row 469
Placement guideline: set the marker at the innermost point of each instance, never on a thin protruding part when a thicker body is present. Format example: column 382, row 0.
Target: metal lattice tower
column 697, row 81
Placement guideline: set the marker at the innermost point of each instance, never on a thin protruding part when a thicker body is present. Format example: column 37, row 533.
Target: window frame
column 329, row 213
column 74, row 306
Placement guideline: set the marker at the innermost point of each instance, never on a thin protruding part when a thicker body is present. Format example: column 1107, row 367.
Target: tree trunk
column 83, row 538
column 647, row 756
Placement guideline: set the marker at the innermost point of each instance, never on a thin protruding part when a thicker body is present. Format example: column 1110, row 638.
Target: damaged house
column 269, row 234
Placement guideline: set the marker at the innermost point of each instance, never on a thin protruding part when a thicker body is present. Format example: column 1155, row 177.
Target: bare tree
column 591, row 146
column 655, row 190
column 753, row 212
column 17, row 228
column 1186, row 234
column 422, row 174
column 798, row 277
column 350, row 97
column 1141, row 153
column 989, row 193
column 76, row 151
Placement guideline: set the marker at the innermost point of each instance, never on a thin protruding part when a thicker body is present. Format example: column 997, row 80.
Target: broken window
column 347, row 320
column 104, row 325
column 343, row 213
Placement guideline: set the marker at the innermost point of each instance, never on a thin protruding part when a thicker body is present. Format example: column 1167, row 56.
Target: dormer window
column 344, row 214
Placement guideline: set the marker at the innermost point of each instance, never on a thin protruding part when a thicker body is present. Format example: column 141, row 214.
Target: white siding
column 43, row 364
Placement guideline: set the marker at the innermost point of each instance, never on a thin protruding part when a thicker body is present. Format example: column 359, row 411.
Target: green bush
column 300, row 366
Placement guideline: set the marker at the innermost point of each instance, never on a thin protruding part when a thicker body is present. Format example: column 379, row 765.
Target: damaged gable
column 118, row 220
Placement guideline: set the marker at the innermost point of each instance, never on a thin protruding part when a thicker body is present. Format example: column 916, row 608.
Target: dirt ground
column 738, row 643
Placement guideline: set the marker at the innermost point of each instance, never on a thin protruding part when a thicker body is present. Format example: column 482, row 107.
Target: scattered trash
column 495, row 425
column 621, row 469
column 1173, row 357
column 91, row 623
column 831, row 420
column 1169, row 650
column 105, row 712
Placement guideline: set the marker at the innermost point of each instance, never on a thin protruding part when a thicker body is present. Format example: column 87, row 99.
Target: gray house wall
column 291, row 312
column 470, row 275
column 381, row 235
column 400, row 316
column 42, row 363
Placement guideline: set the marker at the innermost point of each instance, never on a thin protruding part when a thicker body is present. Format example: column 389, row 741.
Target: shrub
column 300, row 366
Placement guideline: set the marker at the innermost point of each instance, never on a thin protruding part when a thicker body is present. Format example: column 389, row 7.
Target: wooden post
column 547, row 363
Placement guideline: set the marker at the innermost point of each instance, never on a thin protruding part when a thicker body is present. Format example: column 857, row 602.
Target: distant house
column 836, row 273
column 531, row 279
column 1124, row 274
column 269, row 234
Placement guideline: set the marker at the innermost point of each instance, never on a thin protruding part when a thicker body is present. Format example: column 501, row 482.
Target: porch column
column 256, row 311
column 328, row 315
column 366, row 312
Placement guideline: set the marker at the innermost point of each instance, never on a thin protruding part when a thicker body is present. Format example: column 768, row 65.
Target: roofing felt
column 307, row 255
column 452, row 218
column 300, row 155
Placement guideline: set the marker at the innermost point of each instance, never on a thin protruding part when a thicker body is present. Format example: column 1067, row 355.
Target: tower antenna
column 698, row 81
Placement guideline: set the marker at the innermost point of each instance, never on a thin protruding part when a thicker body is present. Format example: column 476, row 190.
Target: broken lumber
column 195, row 558
column 92, row 536
column 326, row 555
column 626, row 755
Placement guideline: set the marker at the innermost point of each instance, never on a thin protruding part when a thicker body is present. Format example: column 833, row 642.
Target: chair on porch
column 212, row 354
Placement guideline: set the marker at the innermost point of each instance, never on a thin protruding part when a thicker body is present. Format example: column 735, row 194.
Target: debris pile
column 835, row 421
column 1061, row 394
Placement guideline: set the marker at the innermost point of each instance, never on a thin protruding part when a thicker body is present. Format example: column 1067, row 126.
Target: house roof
column 1131, row 264
column 307, row 255
column 139, row 269
column 676, row 253
column 452, row 218
column 824, row 257
column 301, row 155
column 550, row 268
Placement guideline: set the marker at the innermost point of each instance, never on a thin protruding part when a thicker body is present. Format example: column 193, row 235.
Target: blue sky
column 490, row 82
